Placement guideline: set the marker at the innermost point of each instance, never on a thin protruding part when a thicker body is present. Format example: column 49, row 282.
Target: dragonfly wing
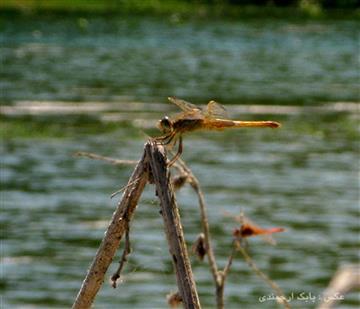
column 184, row 105
column 193, row 114
column 216, row 110
column 269, row 239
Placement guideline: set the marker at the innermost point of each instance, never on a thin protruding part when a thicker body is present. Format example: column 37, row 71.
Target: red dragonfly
column 249, row 228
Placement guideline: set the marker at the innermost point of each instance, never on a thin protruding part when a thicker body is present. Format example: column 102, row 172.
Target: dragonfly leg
column 161, row 139
column 165, row 139
column 170, row 138
column 179, row 152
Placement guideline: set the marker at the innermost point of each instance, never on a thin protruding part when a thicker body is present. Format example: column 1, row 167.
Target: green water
column 303, row 177
column 267, row 61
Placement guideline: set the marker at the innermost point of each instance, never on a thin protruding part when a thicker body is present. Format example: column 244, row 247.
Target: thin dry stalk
column 279, row 293
column 229, row 263
column 126, row 252
column 173, row 227
column 218, row 276
column 110, row 243
column 204, row 218
column 95, row 156
column 220, row 287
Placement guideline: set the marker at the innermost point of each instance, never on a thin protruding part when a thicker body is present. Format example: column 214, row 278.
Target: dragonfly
column 249, row 228
column 193, row 118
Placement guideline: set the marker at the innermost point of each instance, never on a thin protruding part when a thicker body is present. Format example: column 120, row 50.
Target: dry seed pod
column 174, row 299
column 178, row 181
column 199, row 248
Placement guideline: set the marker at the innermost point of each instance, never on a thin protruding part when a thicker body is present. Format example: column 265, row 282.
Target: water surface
column 303, row 177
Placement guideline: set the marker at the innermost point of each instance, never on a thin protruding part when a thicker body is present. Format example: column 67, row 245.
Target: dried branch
column 123, row 188
column 94, row 156
column 180, row 164
column 126, row 252
column 229, row 263
column 158, row 173
column 218, row 276
column 346, row 279
column 279, row 293
column 173, row 228
column 112, row 238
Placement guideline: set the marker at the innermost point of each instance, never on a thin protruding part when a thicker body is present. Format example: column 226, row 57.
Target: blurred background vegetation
column 232, row 8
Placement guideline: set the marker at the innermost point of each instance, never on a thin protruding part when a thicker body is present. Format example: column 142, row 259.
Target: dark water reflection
column 303, row 177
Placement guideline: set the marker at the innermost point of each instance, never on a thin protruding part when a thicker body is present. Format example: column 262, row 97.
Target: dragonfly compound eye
column 165, row 124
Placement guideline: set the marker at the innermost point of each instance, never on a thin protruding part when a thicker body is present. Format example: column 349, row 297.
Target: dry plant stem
column 126, row 252
column 219, row 276
column 229, row 263
column 173, row 228
column 123, row 188
column 220, row 286
column 204, row 219
column 266, row 279
column 95, row 156
column 110, row 243
column 206, row 228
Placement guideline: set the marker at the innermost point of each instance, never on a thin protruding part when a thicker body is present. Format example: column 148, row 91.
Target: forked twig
column 110, row 243
column 120, row 225
column 180, row 164
column 279, row 293
column 153, row 168
column 126, row 252
column 229, row 262
column 218, row 276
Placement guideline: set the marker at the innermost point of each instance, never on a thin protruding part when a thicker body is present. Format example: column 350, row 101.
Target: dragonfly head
column 165, row 125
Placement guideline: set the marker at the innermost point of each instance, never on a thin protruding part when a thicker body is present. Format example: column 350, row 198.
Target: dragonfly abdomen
column 218, row 124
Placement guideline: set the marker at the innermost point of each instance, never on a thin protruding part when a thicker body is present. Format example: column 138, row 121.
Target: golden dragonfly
column 193, row 118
